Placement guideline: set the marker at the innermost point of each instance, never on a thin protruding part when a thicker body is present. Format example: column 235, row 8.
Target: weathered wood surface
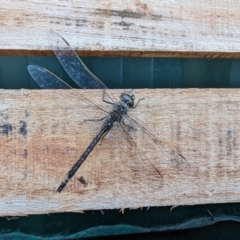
column 128, row 28
column 42, row 134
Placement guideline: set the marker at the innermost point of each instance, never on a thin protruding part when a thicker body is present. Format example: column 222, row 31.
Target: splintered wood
column 43, row 133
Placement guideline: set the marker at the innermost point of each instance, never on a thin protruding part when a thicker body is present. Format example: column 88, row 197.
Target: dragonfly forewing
column 72, row 64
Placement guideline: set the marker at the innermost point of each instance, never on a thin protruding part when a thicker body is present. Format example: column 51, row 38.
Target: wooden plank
column 124, row 28
column 42, row 133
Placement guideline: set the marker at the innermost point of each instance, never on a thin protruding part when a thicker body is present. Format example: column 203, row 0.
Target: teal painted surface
column 131, row 73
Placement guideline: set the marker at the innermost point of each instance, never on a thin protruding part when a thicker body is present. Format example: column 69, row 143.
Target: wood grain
column 42, row 133
column 123, row 28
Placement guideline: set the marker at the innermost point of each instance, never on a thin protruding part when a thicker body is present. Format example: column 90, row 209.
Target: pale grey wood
column 41, row 139
column 129, row 28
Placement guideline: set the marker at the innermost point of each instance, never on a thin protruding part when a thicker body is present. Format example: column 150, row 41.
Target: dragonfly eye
column 128, row 98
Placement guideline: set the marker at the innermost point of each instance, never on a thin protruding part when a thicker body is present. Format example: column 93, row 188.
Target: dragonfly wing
column 72, row 64
column 162, row 151
column 46, row 79
column 127, row 165
column 146, row 173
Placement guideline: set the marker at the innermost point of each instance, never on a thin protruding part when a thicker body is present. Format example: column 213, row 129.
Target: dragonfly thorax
column 128, row 98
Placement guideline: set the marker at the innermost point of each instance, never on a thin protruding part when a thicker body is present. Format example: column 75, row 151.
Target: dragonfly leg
column 130, row 127
column 103, row 98
column 137, row 102
column 94, row 120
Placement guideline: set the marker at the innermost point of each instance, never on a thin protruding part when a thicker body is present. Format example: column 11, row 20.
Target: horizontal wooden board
column 123, row 28
column 43, row 133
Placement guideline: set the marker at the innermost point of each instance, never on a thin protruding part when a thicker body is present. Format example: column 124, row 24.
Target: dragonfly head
column 128, row 98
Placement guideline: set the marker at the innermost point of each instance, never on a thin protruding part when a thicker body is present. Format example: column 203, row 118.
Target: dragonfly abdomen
column 114, row 117
column 84, row 156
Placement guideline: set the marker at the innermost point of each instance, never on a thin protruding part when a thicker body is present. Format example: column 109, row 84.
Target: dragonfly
column 118, row 115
